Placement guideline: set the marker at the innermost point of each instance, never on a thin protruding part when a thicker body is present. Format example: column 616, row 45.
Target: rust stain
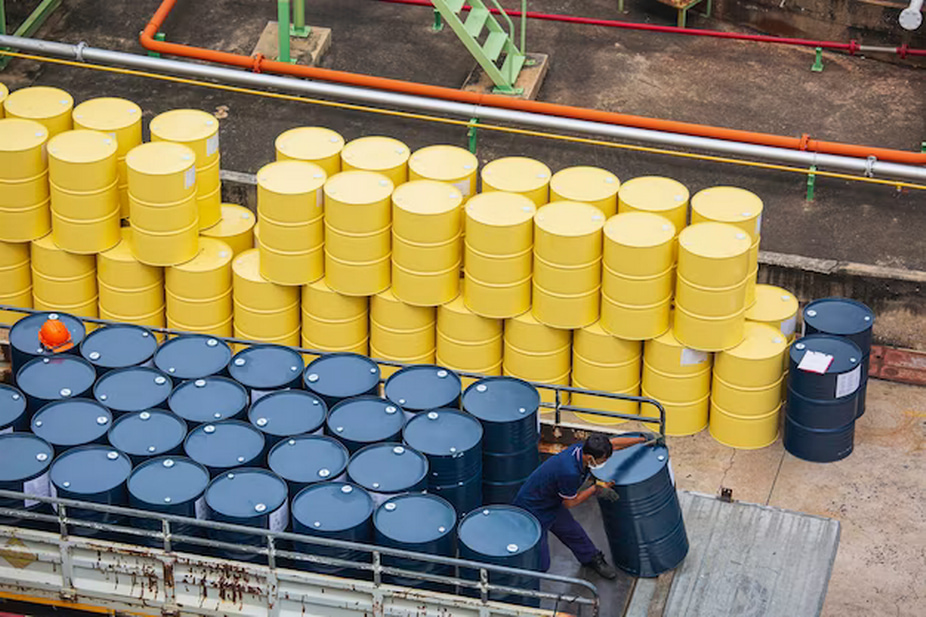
column 18, row 559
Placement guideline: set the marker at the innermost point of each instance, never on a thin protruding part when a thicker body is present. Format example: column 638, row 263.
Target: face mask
column 595, row 467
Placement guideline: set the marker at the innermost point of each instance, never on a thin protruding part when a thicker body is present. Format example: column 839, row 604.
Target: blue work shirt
column 559, row 477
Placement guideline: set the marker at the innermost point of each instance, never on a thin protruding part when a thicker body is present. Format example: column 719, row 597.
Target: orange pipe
column 260, row 64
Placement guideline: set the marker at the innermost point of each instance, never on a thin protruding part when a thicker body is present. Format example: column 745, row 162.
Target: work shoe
column 601, row 567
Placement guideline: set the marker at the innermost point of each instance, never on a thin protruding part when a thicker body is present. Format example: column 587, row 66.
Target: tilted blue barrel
column 263, row 369
column 193, row 356
column 209, row 399
column 247, row 496
column 420, row 523
column 338, row 376
column 452, row 442
column 92, row 473
column 387, row 469
column 338, row 511
column 71, row 423
column 225, row 445
column 423, row 387
column 644, row 524
column 24, row 337
column 364, row 420
column 13, row 416
column 847, row 318
column 288, row 413
column 24, row 463
column 146, row 434
column 44, row 380
column 823, row 397
column 119, row 346
column 508, row 409
column 133, row 389
column 308, row 459
column 169, row 485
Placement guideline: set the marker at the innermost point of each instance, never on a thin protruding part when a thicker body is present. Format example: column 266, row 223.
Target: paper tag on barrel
column 279, row 519
column 848, row 383
column 815, row 362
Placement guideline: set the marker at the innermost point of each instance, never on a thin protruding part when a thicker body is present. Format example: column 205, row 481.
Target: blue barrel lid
column 415, row 518
column 846, row 354
column 635, row 464
column 288, row 412
column 499, row 531
column 12, row 405
column 119, row 346
column 59, row 377
column 308, row 459
column 246, row 492
column 147, row 433
column 332, row 506
column 422, row 387
column 133, row 389
column 224, row 444
column 341, row 375
column 24, row 335
column 839, row 316
column 72, row 422
column 89, row 470
column 365, row 419
column 209, row 399
column 168, row 480
column 266, row 367
column 501, row 399
column 23, row 456
column 192, row 356
column 443, row 432
column 387, row 468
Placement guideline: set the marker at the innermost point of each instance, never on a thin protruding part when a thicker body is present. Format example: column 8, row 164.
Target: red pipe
column 259, row 64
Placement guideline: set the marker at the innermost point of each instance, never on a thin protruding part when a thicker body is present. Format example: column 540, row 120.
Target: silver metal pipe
column 870, row 167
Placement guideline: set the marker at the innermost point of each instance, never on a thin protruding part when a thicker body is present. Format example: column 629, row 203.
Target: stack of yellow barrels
column 401, row 332
column 590, row 185
column 236, row 228
column 334, row 322
column 291, row 209
column 358, row 232
column 450, row 164
column 467, row 342
column 83, row 177
column 427, row 222
column 638, row 275
column 608, row 364
column 710, row 290
column 162, row 203
column 264, row 311
column 778, row 308
column 121, row 119
column 746, row 393
column 383, row 155
column 25, row 214
column 567, row 264
column 312, row 144
column 64, row 282
column 199, row 131
column 130, row 291
column 499, row 248
column 199, row 291
column 50, row 107
column 15, row 279
column 536, row 352
column 663, row 196
column 518, row 174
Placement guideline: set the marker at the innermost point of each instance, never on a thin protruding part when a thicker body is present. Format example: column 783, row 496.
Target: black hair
column 597, row 446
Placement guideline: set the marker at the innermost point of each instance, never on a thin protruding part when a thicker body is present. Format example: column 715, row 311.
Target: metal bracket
column 923, row 147
column 438, row 24
column 869, row 166
column 472, row 134
column 79, row 51
column 160, row 36
column 726, row 494
column 811, row 182
column 818, row 62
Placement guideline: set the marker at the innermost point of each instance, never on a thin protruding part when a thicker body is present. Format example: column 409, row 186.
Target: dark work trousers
column 570, row 533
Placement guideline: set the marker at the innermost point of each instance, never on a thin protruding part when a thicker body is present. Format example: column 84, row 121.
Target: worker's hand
column 619, row 443
column 605, row 491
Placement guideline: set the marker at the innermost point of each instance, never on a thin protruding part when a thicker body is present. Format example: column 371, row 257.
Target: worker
column 55, row 336
column 556, row 486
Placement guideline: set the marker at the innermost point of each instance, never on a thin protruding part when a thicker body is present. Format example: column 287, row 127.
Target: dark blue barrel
column 24, row 337
column 387, row 469
column 193, row 356
column 247, row 496
column 644, row 524
column 288, row 413
column 364, row 420
column 24, row 463
column 44, row 380
column 818, row 445
column 338, row 511
column 92, row 473
column 209, row 399
column 263, row 369
column 71, row 423
column 338, row 376
column 119, row 346
column 308, row 459
column 422, row 387
column 225, row 445
column 420, row 523
column 508, row 409
column 146, row 434
column 13, row 416
column 452, row 442
column 169, row 485
column 502, row 536
column 133, row 389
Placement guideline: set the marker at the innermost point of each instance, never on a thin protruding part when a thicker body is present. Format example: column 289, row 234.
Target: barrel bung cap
column 38, row 102
column 160, row 158
column 517, row 174
column 653, row 193
column 772, row 304
column 82, row 146
column 427, row 197
column 309, row 143
column 442, row 162
column 569, row 218
column 375, row 153
column 183, row 125
column 761, row 341
column 358, row 187
column 500, row 209
column 18, row 135
column 107, row 114
column 714, row 240
column 639, row 229
column 213, row 255
column 727, row 204
column 585, row 183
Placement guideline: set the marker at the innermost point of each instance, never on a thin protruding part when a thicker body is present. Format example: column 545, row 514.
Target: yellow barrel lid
column 772, row 304
column 309, row 143
column 761, row 341
column 235, row 220
column 160, row 158
column 247, row 266
column 500, row 208
column 213, row 254
column 714, row 240
column 46, row 242
column 441, row 162
column 358, row 187
column 81, row 146
column 184, row 125
column 122, row 251
column 107, row 113
column 18, row 135
column 585, row 183
column 667, row 338
column 517, row 174
column 727, row 204
column 375, row 153
column 427, row 197
column 639, row 229
column 569, row 218
column 291, row 177
column 38, row 102
column 653, row 193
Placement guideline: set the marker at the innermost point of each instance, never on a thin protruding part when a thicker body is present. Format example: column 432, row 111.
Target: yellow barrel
column 358, row 223
column 667, row 354
column 236, row 229
column 127, row 287
column 15, row 280
column 383, row 155
column 518, row 174
column 442, row 163
column 749, row 378
column 63, row 281
column 536, row 352
column 601, row 403
column 744, row 432
column 709, row 333
column 50, row 107
column 24, row 196
column 161, row 172
column 635, row 322
column 4, row 92
column 334, row 322
column 401, row 332
column 591, row 185
column 710, row 301
column 776, row 307
column 468, row 342
column 713, row 255
column 199, row 291
column 663, row 196
column 639, row 244
column 264, row 311
column 682, row 418
column 426, row 243
column 608, row 364
column 312, row 144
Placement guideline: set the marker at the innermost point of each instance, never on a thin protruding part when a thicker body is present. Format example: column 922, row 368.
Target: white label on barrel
column 320, row 197
column 4, row 431
column 815, row 362
column 463, row 187
column 848, row 383
column 279, row 520
column 758, row 224
column 212, row 145
column 692, row 356
column 200, row 506
column 789, row 325
column 40, row 486
column 189, row 178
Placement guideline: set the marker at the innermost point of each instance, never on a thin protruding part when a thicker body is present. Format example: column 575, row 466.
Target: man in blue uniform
column 556, row 486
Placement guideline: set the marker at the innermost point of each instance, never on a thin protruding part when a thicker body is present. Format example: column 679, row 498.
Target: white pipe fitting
column 911, row 17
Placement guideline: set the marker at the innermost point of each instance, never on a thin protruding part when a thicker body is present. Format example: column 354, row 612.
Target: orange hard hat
column 55, row 336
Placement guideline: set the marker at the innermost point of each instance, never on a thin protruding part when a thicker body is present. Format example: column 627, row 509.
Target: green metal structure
column 30, row 25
